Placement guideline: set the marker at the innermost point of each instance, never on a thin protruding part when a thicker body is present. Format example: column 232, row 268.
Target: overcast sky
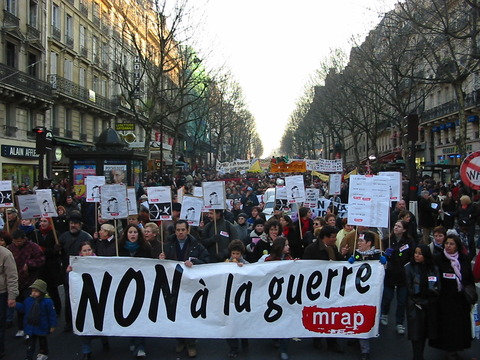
column 274, row 46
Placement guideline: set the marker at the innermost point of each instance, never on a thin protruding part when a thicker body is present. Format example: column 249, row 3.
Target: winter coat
column 29, row 254
column 48, row 316
column 402, row 253
column 217, row 242
column 423, row 287
column 426, row 214
column 319, row 251
column 193, row 250
column 454, row 330
column 51, row 271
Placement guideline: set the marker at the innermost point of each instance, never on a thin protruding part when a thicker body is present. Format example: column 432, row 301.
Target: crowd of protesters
column 419, row 250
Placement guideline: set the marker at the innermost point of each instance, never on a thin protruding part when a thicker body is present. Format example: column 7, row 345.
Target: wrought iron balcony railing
column 10, row 20
column 25, row 83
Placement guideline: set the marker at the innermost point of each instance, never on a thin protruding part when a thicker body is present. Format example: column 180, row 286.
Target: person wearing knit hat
column 242, row 227
column 39, row 321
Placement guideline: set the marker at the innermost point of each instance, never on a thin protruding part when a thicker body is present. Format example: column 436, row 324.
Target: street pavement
column 66, row 346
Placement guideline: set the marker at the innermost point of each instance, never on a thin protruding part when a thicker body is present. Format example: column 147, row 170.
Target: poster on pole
column 311, row 198
column 113, row 204
column 470, row 171
column 132, row 201
column 281, row 201
column 160, row 202
column 46, row 203
column 369, row 201
column 28, row 206
column 6, row 194
column 191, row 210
column 93, row 184
column 198, row 191
column 335, row 180
column 295, row 189
column 395, row 183
column 214, row 195
column 321, row 208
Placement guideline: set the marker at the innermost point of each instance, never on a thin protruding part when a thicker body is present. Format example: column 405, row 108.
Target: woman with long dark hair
column 423, row 286
column 454, row 330
column 291, row 232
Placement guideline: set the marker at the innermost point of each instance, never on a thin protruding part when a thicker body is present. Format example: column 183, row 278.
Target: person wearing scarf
column 454, row 328
column 50, row 272
column 27, row 226
column 39, row 321
column 133, row 244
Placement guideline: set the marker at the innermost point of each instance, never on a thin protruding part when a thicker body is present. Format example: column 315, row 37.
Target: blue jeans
column 388, row 293
column 3, row 320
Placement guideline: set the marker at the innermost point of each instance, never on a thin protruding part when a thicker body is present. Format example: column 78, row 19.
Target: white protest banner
column 191, row 210
column 335, row 180
column 113, row 204
column 46, row 203
column 6, row 194
column 118, row 296
column 214, row 195
column 233, row 166
column 395, row 183
column 131, row 201
column 93, row 184
column 369, row 201
column 311, row 198
column 160, row 202
column 28, row 206
column 325, row 165
column 295, row 189
column 321, row 208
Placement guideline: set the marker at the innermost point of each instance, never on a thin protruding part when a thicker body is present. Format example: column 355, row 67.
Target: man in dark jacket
column 182, row 246
column 426, row 216
column 325, row 249
column 216, row 236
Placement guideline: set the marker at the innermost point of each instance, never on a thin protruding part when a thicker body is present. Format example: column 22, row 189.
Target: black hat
column 242, row 215
column 258, row 222
column 177, row 207
column 75, row 216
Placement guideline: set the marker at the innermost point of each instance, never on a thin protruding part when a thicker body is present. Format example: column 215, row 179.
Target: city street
column 66, row 346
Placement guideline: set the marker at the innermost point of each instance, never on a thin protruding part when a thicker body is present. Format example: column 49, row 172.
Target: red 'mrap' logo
column 348, row 320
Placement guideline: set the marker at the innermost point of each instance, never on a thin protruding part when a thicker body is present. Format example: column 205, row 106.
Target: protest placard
column 113, row 204
column 295, row 189
column 6, row 194
column 191, row 210
column 46, row 203
column 214, row 195
column 93, row 184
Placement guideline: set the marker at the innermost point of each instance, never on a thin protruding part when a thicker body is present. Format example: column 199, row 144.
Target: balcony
column 56, row 131
column 23, row 83
column 68, row 133
column 83, row 51
column 69, row 41
column 449, row 108
column 96, row 20
column 32, row 33
column 116, row 34
column 56, row 33
column 83, row 137
column 69, row 91
column 10, row 131
column 106, row 27
column 10, row 20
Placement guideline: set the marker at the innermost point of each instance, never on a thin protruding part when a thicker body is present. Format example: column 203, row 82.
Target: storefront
column 19, row 164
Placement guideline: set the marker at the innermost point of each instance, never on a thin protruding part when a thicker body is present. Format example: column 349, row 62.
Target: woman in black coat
column 454, row 330
column 423, row 286
column 51, row 271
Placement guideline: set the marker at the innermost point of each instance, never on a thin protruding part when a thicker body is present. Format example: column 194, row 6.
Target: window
column 33, row 13
column 11, row 54
column 11, row 6
column 83, row 128
column 95, row 48
column 55, row 118
column 95, row 83
column 31, row 121
column 53, row 62
column 105, row 55
column 68, row 69
column 82, row 77
column 32, row 65
column 55, row 16
column 69, row 26
column 83, row 31
column 68, row 122
column 103, row 90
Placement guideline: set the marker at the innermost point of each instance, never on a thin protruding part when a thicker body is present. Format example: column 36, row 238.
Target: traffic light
column 43, row 140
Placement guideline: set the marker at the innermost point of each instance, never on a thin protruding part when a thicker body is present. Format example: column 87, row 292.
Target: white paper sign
column 369, row 201
column 198, row 191
column 113, row 202
column 395, row 183
column 295, row 189
column 311, row 198
column 28, row 205
column 214, row 195
column 160, row 202
column 93, row 184
column 148, row 297
column 46, row 203
column 6, row 194
column 281, row 201
column 191, row 210
column 132, row 202
column 325, row 165
column 334, row 184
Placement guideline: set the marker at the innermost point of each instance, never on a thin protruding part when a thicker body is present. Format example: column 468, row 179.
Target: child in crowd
column 40, row 319
column 237, row 249
column 87, row 250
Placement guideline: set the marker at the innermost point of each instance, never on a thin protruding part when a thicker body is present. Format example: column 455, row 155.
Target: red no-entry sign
column 470, row 171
